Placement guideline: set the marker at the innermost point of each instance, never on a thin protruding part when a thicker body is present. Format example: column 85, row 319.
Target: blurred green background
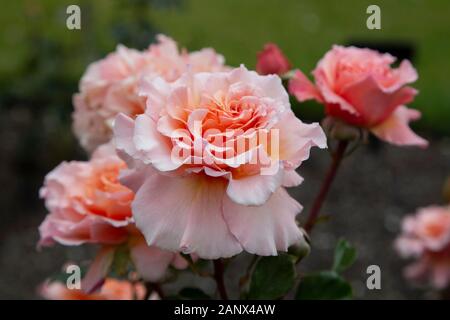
column 41, row 62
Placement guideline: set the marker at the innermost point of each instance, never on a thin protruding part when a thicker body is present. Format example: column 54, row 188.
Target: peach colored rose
column 272, row 61
column 223, row 145
column 426, row 237
column 109, row 86
column 88, row 204
column 359, row 87
column 112, row 289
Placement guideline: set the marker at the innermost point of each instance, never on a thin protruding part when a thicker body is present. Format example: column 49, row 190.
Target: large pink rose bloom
column 223, row 145
column 88, row 204
column 359, row 87
column 109, row 86
column 426, row 237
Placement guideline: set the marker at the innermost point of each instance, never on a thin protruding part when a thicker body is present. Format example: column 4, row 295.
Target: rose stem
column 218, row 276
column 152, row 286
column 321, row 196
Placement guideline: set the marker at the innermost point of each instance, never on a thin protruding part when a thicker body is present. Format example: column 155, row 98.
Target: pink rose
column 112, row 289
column 223, row 145
column 359, row 87
column 88, row 204
column 272, row 61
column 426, row 237
column 109, row 86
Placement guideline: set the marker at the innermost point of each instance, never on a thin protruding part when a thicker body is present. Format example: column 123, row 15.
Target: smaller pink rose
column 426, row 237
column 88, row 204
column 359, row 87
column 110, row 86
column 271, row 60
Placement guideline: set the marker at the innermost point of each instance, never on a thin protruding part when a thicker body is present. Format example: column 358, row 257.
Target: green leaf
column 192, row 294
column 344, row 256
column 272, row 277
column 325, row 285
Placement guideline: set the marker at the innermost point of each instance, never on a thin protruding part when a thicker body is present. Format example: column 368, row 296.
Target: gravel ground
column 375, row 187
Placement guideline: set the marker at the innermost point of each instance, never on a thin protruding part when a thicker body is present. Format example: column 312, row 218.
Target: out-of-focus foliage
column 272, row 277
column 329, row 285
column 306, row 29
column 41, row 62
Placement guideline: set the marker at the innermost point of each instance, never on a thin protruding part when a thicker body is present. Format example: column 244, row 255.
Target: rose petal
column 157, row 148
column 266, row 229
column 297, row 138
column 184, row 214
column 254, row 190
column 98, row 269
column 395, row 129
column 303, row 89
column 374, row 103
column 151, row 262
column 291, row 179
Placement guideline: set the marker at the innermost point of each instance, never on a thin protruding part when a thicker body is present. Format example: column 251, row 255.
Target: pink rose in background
column 88, row 204
column 272, row 61
column 112, row 289
column 359, row 87
column 212, row 192
column 109, row 86
column 426, row 237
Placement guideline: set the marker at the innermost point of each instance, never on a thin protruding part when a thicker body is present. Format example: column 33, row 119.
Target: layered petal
column 297, row 138
column 191, row 222
column 265, row 229
column 151, row 262
column 303, row 89
column 373, row 103
column 396, row 130
column 98, row 270
column 254, row 190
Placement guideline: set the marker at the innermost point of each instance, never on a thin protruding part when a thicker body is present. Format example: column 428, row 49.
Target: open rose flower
column 88, row 204
column 272, row 61
column 224, row 145
column 359, row 87
column 426, row 237
column 109, row 86
column 111, row 289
